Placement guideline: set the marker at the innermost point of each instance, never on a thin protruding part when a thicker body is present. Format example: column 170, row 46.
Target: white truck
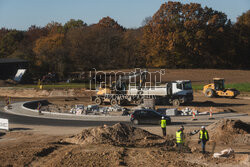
column 175, row 92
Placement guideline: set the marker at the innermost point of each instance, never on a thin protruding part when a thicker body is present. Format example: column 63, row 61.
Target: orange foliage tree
column 50, row 53
column 180, row 35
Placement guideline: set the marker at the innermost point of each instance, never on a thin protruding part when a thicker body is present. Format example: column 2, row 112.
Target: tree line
column 176, row 36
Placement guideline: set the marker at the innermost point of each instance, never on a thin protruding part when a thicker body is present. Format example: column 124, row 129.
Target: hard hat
column 162, row 117
column 182, row 127
column 203, row 127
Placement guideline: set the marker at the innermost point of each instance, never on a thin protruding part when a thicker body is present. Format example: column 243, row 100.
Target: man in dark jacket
column 203, row 138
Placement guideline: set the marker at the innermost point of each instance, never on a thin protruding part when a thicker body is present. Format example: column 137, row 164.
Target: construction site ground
column 41, row 145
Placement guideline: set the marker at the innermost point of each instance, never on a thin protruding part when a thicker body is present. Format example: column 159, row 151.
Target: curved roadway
column 19, row 119
column 29, row 120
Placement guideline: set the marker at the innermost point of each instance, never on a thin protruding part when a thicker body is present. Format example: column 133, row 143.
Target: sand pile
column 228, row 131
column 118, row 134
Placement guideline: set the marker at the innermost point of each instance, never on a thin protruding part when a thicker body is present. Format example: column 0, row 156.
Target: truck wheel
column 135, row 122
column 209, row 93
column 140, row 101
column 98, row 101
column 113, row 102
column 123, row 102
column 176, row 102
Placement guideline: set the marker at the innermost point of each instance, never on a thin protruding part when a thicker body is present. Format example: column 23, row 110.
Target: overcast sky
column 21, row 14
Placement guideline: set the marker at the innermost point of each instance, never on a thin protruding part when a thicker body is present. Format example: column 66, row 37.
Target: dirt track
column 140, row 149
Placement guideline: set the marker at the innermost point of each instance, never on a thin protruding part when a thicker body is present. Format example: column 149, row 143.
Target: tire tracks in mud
column 47, row 154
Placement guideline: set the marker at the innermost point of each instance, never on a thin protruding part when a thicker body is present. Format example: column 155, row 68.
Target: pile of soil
column 117, row 135
column 228, row 131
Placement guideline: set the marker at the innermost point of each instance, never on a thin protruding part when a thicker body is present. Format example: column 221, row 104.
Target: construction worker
column 163, row 126
column 180, row 138
column 203, row 138
column 39, row 107
column 7, row 102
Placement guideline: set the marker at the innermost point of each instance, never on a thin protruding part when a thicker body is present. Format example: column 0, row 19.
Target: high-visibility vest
column 39, row 106
column 205, row 134
column 163, row 123
column 178, row 137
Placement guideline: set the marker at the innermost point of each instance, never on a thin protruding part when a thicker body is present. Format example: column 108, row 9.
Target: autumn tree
column 181, row 35
column 131, row 49
column 25, row 49
column 50, row 52
column 176, row 36
column 3, row 32
column 96, row 46
column 242, row 29
column 54, row 28
column 107, row 22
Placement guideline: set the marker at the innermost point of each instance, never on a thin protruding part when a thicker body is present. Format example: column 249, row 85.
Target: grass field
column 238, row 79
column 242, row 87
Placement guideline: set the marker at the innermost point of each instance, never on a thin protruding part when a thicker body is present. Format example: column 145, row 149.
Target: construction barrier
column 211, row 113
column 194, row 116
column 4, row 124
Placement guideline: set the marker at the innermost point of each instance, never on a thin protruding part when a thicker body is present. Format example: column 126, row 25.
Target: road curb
column 64, row 116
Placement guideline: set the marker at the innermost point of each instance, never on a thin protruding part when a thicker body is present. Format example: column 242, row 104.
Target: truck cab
column 181, row 92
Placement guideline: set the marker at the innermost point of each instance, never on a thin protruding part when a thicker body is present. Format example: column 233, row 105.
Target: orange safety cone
column 194, row 116
column 211, row 113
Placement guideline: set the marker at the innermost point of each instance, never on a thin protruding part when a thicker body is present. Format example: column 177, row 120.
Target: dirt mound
column 118, row 134
column 228, row 131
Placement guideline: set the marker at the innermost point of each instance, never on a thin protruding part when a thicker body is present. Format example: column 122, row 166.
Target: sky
column 21, row 14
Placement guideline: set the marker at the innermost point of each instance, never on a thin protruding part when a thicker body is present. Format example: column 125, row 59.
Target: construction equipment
column 116, row 92
column 174, row 92
column 121, row 91
column 217, row 89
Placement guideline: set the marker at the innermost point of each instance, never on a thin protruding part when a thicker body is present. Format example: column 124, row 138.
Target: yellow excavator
column 217, row 89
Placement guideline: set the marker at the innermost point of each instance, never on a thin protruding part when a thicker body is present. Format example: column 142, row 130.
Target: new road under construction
column 119, row 123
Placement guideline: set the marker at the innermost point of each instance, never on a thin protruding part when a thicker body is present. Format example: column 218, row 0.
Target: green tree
column 242, row 30
column 10, row 42
column 72, row 23
column 54, row 28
